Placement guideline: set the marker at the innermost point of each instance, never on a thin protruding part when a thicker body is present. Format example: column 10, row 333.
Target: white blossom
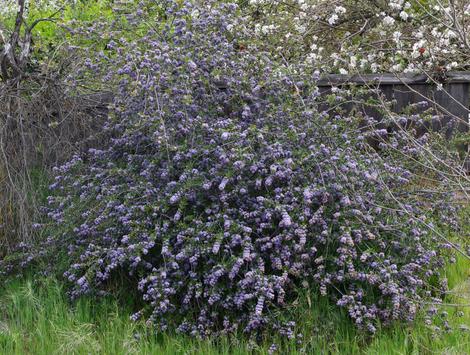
column 396, row 36
column 340, row 10
column 388, row 21
column 353, row 62
column 396, row 68
column 332, row 20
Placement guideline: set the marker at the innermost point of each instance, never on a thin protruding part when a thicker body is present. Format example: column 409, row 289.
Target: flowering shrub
column 223, row 191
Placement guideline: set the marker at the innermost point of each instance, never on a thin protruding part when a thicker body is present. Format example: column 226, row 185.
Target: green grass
column 37, row 318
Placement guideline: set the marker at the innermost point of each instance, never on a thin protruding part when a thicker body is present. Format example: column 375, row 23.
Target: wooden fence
column 449, row 95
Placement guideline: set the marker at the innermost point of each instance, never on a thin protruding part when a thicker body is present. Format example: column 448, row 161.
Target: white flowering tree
column 367, row 36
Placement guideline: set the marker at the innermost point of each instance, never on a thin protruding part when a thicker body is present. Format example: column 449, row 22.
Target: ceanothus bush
column 223, row 190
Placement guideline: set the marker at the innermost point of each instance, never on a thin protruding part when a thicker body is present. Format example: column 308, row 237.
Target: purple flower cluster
column 223, row 190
